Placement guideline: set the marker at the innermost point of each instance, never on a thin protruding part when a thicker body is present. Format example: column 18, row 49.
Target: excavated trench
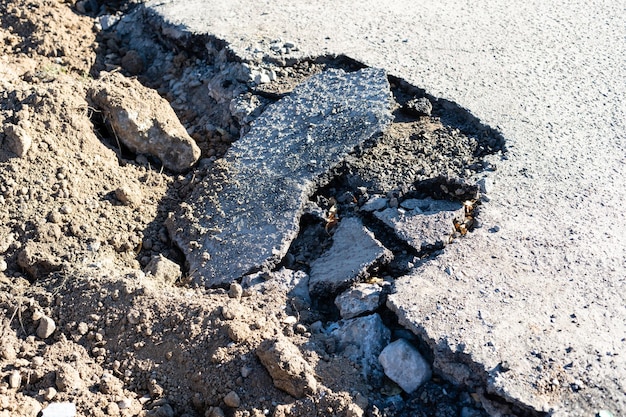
column 433, row 150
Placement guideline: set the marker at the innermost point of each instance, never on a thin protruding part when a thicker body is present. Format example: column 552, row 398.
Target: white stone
column 404, row 365
column 59, row 410
column 46, row 327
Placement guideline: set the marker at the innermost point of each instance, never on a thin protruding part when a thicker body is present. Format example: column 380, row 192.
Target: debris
column 362, row 298
column 247, row 210
column 144, row 121
column 361, row 340
column 375, row 203
column 288, row 369
column 353, row 251
column 404, row 365
column 15, row 379
column 130, row 196
column 428, row 226
column 419, row 107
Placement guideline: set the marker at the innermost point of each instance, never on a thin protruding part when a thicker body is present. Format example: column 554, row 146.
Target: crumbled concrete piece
column 232, row 400
column 428, row 226
column 246, row 212
column 375, row 203
column 404, row 365
column 46, row 327
column 362, row 298
column 37, row 260
column 288, row 369
column 59, row 410
column 353, row 251
column 419, row 107
column 163, row 269
column 49, row 393
column 361, row 340
column 144, row 121
column 17, row 140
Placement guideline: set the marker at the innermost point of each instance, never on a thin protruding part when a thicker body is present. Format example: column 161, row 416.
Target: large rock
column 429, row 225
column 404, row 365
column 144, row 121
column 353, row 251
column 246, row 211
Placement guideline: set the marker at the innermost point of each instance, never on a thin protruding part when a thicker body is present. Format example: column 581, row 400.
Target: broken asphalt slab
column 246, row 212
column 548, row 265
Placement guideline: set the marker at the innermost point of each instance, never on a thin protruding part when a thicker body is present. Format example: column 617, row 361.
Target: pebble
column 49, row 393
column 125, row 403
column 113, row 409
column 232, row 400
column 15, row 379
column 3, row 265
column 129, row 196
column 46, row 327
column 163, row 269
column 37, row 361
column 404, row 365
column 375, row 203
column 360, row 299
column 235, row 291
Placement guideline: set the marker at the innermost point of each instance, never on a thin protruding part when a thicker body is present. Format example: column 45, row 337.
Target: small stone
column 82, row 328
column 362, row 298
column 214, row 412
column 3, row 265
column 49, row 393
column 419, row 107
column 113, row 409
column 246, row 371
column 232, row 400
column 46, row 327
column 15, row 379
column 404, row 365
column 164, row 410
column 162, row 269
column 37, row 362
column 129, row 196
column 375, row 203
column 235, row 291
column 17, row 140
column 125, row 403
column 59, row 410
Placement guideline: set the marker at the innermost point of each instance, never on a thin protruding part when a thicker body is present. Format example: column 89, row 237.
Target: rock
column 404, row 365
column 110, row 384
column 361, row 340
column 17, row 140
column 362, row 298
column 232, row 400
column 68, row 379
column 246, row 212
column 132, row 62
column 419, row 107
column 129, row 196
column 235, row 291
column 144, row 121
column 428, row 226
column 3, row 265
column 214, row 412
column 164, row 410
column 49, row 393
column 15, row 379
column 59, row 410
column 288, row 369
column 375, row 203
column 37, row 260
column 163, row 270
column 354, row 410
column 46, row 327
column 353, row 251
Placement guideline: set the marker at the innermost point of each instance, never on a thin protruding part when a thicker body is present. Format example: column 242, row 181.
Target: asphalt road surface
column 537, row 296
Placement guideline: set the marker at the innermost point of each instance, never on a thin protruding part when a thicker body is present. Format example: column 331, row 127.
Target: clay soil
column 80, row 218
